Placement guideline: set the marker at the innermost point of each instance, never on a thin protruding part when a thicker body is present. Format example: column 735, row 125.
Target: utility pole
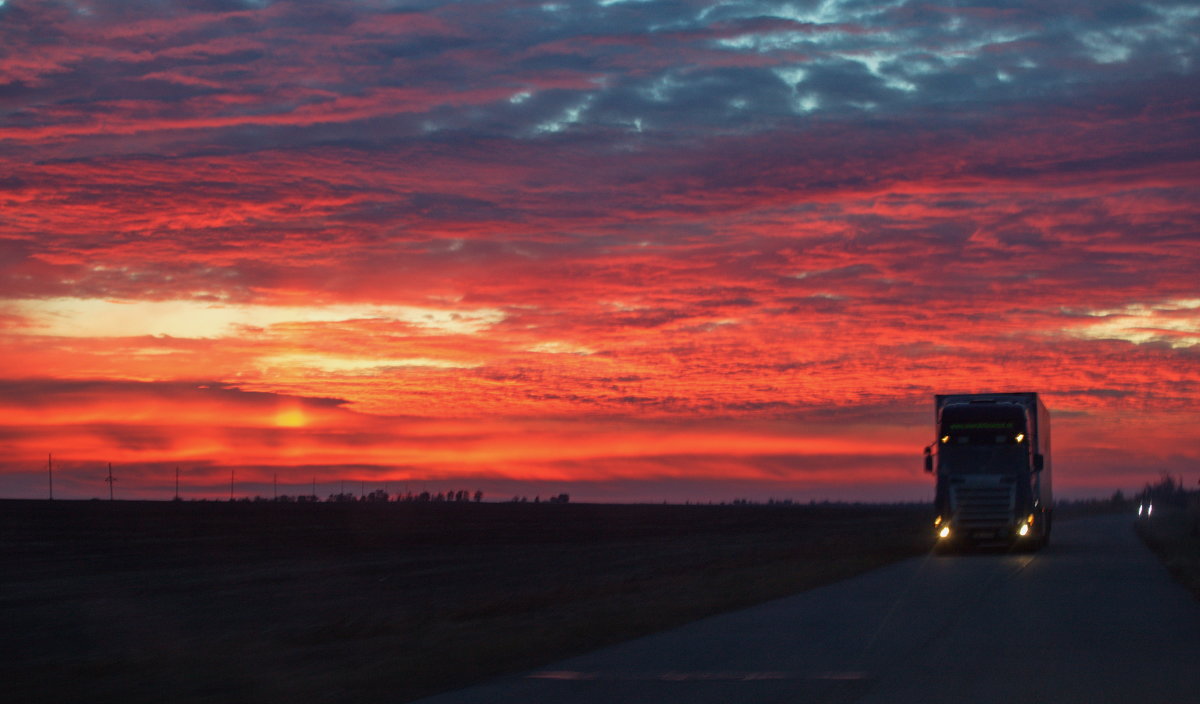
column 314, row 490
column 176, row 482
column 231, row 484
column 277, row 486
column 50, row 472
column 110, row 481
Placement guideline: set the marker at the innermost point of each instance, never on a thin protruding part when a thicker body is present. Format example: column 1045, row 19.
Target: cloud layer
column 595, row 242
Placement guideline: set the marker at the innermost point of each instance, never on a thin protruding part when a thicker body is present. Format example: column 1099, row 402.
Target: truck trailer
column 991, row 459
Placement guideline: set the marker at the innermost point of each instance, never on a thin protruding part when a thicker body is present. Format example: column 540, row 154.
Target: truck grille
column 983, row 507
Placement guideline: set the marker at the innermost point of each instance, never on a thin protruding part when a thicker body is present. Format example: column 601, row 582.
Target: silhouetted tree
column 478, row 495
column 1166, row 491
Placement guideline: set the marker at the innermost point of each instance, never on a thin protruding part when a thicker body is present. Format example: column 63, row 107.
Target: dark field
column 1173, row 533
column 261, row 602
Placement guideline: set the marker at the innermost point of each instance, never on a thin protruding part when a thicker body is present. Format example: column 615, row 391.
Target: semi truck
column 991, row 460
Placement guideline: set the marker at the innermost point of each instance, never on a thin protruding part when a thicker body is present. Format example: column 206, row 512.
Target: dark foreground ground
column 200, row 602
column 1173, row 533
column 1090, row 619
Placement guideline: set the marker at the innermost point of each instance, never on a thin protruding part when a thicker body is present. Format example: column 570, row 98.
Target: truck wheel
column 1041, row 541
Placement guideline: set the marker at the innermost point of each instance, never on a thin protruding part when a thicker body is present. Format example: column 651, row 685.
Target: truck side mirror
column 928, row 460
column 1039, row 463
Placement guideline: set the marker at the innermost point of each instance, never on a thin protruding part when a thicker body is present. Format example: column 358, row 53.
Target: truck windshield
column 989, row 439
column 983, row 459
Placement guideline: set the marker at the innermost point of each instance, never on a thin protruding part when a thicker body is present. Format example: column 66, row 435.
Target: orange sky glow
column 736, row 257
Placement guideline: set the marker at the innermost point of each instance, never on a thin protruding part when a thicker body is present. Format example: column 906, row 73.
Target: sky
column 628, row 250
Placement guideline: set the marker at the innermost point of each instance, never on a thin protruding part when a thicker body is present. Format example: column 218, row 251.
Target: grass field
column 1173, row 533
column 208, row 602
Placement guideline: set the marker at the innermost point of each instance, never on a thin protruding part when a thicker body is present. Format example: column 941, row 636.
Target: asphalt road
column 1092, row 618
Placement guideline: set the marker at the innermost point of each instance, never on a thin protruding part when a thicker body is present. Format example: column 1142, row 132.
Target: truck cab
column 993, row 478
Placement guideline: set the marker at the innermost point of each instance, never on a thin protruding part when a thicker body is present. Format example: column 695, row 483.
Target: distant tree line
column 379, row 496
column 557, row 499
column 1168, row 491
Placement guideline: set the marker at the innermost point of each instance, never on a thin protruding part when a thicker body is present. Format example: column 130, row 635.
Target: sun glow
column 97, row 318
column 291, row 418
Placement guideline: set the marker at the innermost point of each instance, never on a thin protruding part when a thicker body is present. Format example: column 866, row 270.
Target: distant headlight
column 1023, row 530
column 944, row 532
